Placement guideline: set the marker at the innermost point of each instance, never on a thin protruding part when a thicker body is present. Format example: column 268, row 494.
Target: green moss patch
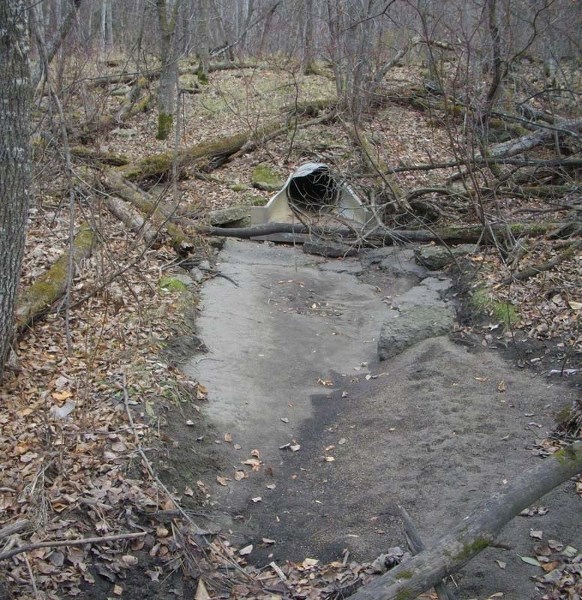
column 502, row 311
column 265, row 178
column 172, row 284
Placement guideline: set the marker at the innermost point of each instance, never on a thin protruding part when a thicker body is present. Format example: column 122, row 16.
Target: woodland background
column 129, row 126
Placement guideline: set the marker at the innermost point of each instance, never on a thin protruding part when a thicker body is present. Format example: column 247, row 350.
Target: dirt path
column 293, row 361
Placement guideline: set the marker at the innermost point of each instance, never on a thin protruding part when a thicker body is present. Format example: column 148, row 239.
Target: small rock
column 412, row 325
column 329, row 249
column 196, row 274
column 352, row 267
column 125, row 133
column 230, row 216
column 438, row 257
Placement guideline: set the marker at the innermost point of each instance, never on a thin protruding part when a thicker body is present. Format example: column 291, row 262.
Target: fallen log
column 213, row 152
column 232, row 66
column 531, row 140
column 160, row 222
column 15, row 527
column 385, row 235
column 116, row 78
column 417, row 545
column 133, row 220
column 311, row 108
column 36, row 300
column 530, row 272
column 476, row 531
column 105, row 158
column 160, row 165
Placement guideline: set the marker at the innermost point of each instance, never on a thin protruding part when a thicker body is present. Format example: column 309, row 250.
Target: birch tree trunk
column 15, row 99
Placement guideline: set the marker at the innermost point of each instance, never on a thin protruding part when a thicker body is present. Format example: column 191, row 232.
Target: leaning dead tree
column 476, row 531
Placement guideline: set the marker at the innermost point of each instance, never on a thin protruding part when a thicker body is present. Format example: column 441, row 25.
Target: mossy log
column 475, row 532
column 160, row 165
column 36, row 300
column 311, row 108
column 232, row 66
column 117, row 78
column 538, row 137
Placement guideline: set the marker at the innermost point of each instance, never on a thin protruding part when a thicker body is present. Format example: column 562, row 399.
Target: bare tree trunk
column 267, row 26
column 498, row 71
column 106, row 26
column 167, row 90
column 225, row 38
column 203, row 40
column 351, row 33
column 247, row 23
column 308, row 63
column 15, row 99
column 53, row 46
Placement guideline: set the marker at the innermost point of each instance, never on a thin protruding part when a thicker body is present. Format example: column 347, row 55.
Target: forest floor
column 92, row 389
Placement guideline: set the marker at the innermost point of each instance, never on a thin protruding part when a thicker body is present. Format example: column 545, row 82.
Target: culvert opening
column 313, row 189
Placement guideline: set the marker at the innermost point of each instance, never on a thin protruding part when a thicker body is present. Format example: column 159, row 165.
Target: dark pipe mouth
column 313, row 192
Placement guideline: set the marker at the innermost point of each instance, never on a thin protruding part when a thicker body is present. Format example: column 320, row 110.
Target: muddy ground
column 291, row 361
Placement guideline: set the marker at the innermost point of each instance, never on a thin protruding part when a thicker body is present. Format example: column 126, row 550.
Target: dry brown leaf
column 201, row 591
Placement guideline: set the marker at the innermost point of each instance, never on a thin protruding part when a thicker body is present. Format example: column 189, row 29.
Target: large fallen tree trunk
column 48, row 288
column 160, row 165
column 384, row 235
column 416, row 545
column 132, row 219
column 476, row 532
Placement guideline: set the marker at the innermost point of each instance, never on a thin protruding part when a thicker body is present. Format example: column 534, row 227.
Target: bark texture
column 15, row 98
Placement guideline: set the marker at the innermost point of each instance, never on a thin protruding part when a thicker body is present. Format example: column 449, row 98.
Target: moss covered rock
column 175, row 283
column 264, row 177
